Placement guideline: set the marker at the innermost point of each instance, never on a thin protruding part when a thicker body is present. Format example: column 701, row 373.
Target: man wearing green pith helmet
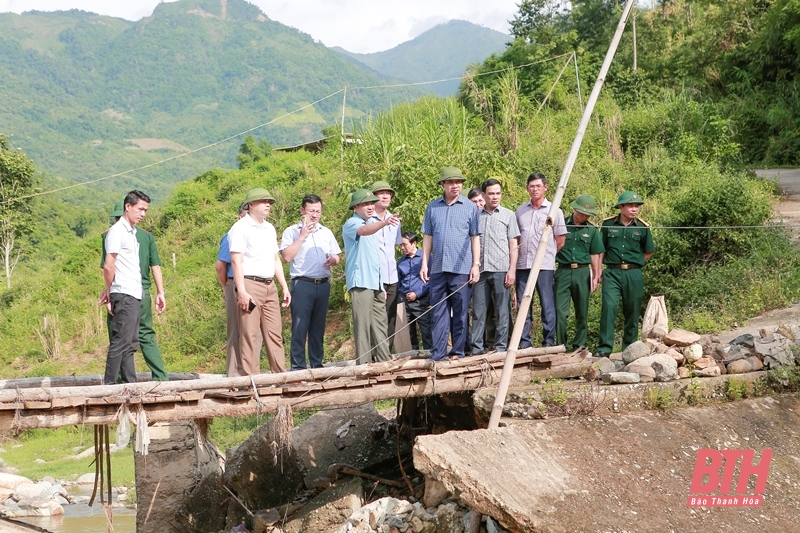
column 629, row 244
column 578, row 270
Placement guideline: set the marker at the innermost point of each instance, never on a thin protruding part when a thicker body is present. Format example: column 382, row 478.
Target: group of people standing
column 474, row 251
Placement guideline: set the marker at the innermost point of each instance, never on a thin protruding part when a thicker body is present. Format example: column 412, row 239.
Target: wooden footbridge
column 64, row 401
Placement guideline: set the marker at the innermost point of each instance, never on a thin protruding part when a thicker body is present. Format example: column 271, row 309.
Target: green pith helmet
column 450, row 173
column 585, row 204
column 119, row 209
column 362, row 196
column 382, row 186
column 253, row 195
column 629, row 197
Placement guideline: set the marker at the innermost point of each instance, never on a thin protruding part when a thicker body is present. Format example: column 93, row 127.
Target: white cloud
column 356, row 25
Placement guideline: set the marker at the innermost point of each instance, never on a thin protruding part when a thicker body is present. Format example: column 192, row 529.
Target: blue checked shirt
column 451, row 227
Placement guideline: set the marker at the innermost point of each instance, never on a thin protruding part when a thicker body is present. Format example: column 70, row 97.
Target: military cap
column 382, row 186
column 629, row 197
column 253, row 195
column 451, row 173
column 585, row 204
column 362, row 196
column 119, row 209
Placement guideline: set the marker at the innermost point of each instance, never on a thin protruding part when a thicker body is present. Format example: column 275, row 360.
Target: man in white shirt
column 311, row 250
column 123, row 279
column 256, row 265
column 388, row 238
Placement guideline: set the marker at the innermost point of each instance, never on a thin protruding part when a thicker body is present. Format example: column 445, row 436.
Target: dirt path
column 788, row 179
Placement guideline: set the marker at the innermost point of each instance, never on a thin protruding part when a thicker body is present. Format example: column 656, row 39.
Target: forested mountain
column 442, row 52
column 88, row 96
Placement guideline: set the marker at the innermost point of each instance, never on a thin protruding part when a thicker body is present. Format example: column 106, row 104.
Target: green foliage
column 659, row 398
column 737, row 389
column 18, row 182
column 54, row 447
column 251, row 152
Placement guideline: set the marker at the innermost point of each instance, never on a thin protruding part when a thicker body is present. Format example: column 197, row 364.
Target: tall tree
column 17, row 180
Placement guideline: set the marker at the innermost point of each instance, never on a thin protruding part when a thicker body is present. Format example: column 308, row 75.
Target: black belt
column 315, row 281
column 572, row 265
column 259, row 279
column 624, row 266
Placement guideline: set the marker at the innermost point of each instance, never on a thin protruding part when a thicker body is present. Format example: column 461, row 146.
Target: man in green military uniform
column 148, row 258
column 574, row 280
column 629, row 244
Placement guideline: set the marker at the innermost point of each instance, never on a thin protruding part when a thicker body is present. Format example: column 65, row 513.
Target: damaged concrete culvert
column 626, row 472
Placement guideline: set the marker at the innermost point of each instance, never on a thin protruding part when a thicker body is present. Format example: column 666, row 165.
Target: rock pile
column 682, row 354
column 19, row 496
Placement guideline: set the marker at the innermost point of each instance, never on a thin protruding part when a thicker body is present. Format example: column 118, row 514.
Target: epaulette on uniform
column 643, row 222
column 612, row 217
column 592, row 224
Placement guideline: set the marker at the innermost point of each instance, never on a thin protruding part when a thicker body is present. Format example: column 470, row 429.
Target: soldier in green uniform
column 148, row 258
column 629, row 244
column 574, row 280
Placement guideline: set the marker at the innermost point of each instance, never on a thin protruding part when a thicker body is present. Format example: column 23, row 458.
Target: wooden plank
column 37, row 405
column 82, row 381
column 192, row 396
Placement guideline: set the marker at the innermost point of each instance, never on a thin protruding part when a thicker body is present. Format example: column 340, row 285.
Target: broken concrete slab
column 330, row 509
column 638, row 480
column 355, row 435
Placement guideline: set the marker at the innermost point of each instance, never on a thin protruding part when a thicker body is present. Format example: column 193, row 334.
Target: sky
column 361, row 26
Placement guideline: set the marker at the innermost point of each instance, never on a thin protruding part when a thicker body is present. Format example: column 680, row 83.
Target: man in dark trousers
column 123, row 292
column 629, row 244
column 148, row 259
column 311, row 250
column 578, row 270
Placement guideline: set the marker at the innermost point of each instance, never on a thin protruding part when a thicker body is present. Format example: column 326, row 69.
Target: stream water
column 80, row 518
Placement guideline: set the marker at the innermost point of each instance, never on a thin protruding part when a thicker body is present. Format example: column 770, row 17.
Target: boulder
column 11, row 481
column 435, row 492
column 634, row 351
column 331, row 508
column 705, row 362
column 603, row 365
column 263, row 472
column 376, row 514
column 662, row 348
column 357, row 436
column 745, row 339
column 739, row 366
column 675, row 354
column 735, row 352
column 693, row 352
column 709, row 372
column 681, row 337
column 684, row 372
column 656, row 333
column 621, row 377
column 32, row 491
column 656, row 367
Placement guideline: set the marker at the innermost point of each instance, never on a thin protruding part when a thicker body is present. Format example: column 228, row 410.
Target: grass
column 54, row 447
column 659, row 399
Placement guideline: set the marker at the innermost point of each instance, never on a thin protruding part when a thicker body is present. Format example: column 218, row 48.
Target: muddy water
column 80, row 518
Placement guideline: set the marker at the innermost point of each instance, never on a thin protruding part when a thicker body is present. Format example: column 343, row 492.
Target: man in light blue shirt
column 364, row 283
column 311, row 250
column 451, row 251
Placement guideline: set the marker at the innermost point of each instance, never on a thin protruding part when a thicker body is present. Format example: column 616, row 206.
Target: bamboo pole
column 505, row 379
